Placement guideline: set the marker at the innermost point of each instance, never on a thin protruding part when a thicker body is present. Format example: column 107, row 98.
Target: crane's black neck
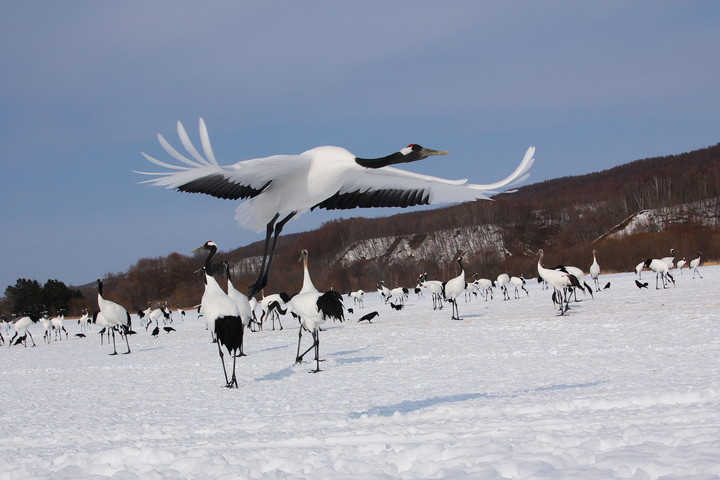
column 397, row 157
column 212, row 250
column 99, row 286
column 227, row 270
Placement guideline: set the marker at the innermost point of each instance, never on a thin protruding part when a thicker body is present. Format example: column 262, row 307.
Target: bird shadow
column 279, row 375
column 343, row 361
column 347, row 352
column 408, row 406
column 150, row 349
column 279, row 347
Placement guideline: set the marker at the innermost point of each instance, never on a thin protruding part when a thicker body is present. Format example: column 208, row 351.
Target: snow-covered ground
column 626, row 386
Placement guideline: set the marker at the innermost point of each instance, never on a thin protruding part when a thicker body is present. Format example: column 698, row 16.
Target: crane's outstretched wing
column 200, row 174
column 392, row 187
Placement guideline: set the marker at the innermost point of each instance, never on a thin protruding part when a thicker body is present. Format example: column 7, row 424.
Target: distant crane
column 695, row 263
column 559, row 280
column 116, row 316
column 662, row 271
column 595, row 271
column 454, row 287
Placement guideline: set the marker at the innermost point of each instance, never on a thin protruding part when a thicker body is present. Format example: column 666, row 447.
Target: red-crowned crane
column 595, row 271
column 695, row 263
column 559, row 280
column 280, row 187
column 312, row 309
column 502, row 280
column 680, row 264
column 519, row 283
column 454, row 287
column 661, row 269
column 436, row 289
column 221, row 314
column 21, row 330
column 116, row 316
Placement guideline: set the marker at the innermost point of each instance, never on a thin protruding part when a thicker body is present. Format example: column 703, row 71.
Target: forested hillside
column 568, row 217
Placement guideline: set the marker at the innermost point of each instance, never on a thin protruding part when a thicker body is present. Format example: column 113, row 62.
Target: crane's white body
column 285, row 184
column 242, row 302
column 216, row 303
column 22, row 324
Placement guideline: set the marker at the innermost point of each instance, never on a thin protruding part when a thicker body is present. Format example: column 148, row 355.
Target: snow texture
column 625, row 386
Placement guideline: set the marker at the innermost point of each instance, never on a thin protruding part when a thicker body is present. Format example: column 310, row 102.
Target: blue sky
column 87, row 85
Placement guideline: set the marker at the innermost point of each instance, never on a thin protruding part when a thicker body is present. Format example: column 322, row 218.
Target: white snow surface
column 627, row 385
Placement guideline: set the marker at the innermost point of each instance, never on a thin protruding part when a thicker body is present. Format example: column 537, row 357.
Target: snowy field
column 625, row 386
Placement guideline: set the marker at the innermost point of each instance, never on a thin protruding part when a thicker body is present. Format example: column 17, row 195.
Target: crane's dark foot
column 298, row 360
column 114, row 353
column 126, row 352
column 315, row 371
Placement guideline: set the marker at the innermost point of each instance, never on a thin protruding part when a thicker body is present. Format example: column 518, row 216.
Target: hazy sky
column 87, row 85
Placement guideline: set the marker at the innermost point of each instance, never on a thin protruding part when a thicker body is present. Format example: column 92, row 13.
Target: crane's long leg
column 222, row 359
column 113, row 337
column 31, row 338
column 298, row 357
column 240, row 352
column 127, row 342
column 274, row 228
column 316, row 338
column 233, row 381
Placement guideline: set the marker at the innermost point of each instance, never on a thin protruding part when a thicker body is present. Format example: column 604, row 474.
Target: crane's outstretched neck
column 411, row 153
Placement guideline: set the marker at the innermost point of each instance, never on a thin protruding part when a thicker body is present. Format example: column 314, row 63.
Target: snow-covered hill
column 625, row 386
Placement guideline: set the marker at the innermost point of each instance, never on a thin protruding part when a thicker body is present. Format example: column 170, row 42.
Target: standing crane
column 559, row 280
column 117, row 317
column 695, row 263
column 454, row 287
column 281, row 187
column 221, row 314
column 313, row 308
column 595, row 271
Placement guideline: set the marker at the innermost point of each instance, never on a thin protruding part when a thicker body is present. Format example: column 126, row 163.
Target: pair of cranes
column 227, row 314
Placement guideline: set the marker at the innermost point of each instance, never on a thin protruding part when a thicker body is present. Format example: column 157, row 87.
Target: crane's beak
column 198, row 249
column 429, row 152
